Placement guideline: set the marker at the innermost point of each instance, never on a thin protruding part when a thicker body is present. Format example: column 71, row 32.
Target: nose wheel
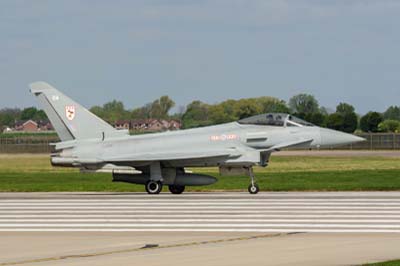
column 253, row 187
column 153, row 187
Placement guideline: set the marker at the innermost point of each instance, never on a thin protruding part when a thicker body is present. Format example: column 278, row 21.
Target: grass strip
column 354, row 180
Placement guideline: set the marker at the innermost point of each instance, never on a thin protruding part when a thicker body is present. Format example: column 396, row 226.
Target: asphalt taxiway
column 332, row 228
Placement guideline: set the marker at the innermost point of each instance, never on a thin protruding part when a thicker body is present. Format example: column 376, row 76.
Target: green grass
column 355, row 180
column 28, row 134
column 34, row 173
column 387, row 263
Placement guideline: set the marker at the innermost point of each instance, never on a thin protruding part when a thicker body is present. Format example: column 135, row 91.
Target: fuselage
column 212, row 138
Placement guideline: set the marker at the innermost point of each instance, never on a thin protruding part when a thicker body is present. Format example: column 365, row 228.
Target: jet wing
column 173, row 155
column 289, row 144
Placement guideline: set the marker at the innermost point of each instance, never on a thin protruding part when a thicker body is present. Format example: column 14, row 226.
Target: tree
column 318, row 119
column 196, row 115
column 246, row 108
column 155, row 110
column 392, row 113
column 7, row 119
column 114, row 107
column 230, row 108
column 389, row 126
column 97, row 110
column 40, row 115
column 344, row 119
column 349, row 117
column 111, row 111
column 272, row 105
column 325, row 111
column 158, row 109
column 302, row 116
column 32, row 113
column 370, row 122
column 335, row 121
column 141, row 113
column 350, row 122
column 304, row 104
column 344, row 108
column 218, row 115
column 28, row 113
column 166, row 104
column 2, row 126
column 8, row 116
column 179, row 113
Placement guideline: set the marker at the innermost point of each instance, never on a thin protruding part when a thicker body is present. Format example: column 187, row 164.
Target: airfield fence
column 376, row 141
column 40, row 143
column 26, row 143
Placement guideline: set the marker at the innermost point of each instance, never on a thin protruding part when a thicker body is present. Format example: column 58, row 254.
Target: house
column 150, row 124
column 174, row 125
column 26, row 126
column 123, row 124
column 147, row 124
column 155, row 125
column 45, row 125
column 33, row 126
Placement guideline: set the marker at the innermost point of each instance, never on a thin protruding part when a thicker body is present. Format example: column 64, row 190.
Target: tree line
column 10, row 116
column 197, row 113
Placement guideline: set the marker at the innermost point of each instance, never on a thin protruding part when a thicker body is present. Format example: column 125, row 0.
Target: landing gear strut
column 153, row 187
column 253, row 187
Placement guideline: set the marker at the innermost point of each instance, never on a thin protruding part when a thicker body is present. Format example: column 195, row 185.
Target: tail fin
column 70, row 119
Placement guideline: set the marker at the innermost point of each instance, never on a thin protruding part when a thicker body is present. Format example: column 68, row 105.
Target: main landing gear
column 253, row 187
column 153, row 187
column 175, row 189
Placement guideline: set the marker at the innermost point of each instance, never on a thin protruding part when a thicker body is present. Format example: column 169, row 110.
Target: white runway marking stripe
column 269, row 212
column 233, row 220
column 231, row 216
column 261, row 207
column 216, row 204
column 234, row 230
column 203, row 225
column 228, row 212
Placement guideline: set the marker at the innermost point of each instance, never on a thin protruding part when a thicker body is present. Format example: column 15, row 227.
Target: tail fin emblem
column 70, row 112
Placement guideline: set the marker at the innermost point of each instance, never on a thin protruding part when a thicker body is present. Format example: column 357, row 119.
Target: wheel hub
column 153, row 187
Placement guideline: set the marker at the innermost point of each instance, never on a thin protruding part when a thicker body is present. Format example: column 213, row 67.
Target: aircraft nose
column 331, row 137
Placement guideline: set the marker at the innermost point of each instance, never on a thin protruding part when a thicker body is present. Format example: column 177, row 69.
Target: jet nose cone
column 331, row 137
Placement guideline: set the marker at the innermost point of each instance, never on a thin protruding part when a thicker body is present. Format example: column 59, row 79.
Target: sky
column 137, row 50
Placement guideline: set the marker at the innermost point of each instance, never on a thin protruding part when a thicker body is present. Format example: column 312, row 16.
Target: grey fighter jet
column 154, row 160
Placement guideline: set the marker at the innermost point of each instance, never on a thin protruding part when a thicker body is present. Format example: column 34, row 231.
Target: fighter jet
column 158, row 159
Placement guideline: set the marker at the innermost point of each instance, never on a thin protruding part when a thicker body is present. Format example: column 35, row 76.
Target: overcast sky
column 136, row 51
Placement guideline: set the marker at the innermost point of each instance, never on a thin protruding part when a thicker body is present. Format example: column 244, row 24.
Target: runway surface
column 372, row 212
column 199, row 228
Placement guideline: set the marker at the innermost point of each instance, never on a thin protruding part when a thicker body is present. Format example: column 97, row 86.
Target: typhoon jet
column 158, row 159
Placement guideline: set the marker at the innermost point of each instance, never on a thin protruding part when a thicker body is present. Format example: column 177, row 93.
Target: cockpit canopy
column 275, row 119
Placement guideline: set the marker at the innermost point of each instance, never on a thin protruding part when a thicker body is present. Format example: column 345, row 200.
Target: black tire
column 253, row 189
column 153, row 187
column 176, row 189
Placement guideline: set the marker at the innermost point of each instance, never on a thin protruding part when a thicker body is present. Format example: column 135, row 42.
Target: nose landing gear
column 253, row 187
